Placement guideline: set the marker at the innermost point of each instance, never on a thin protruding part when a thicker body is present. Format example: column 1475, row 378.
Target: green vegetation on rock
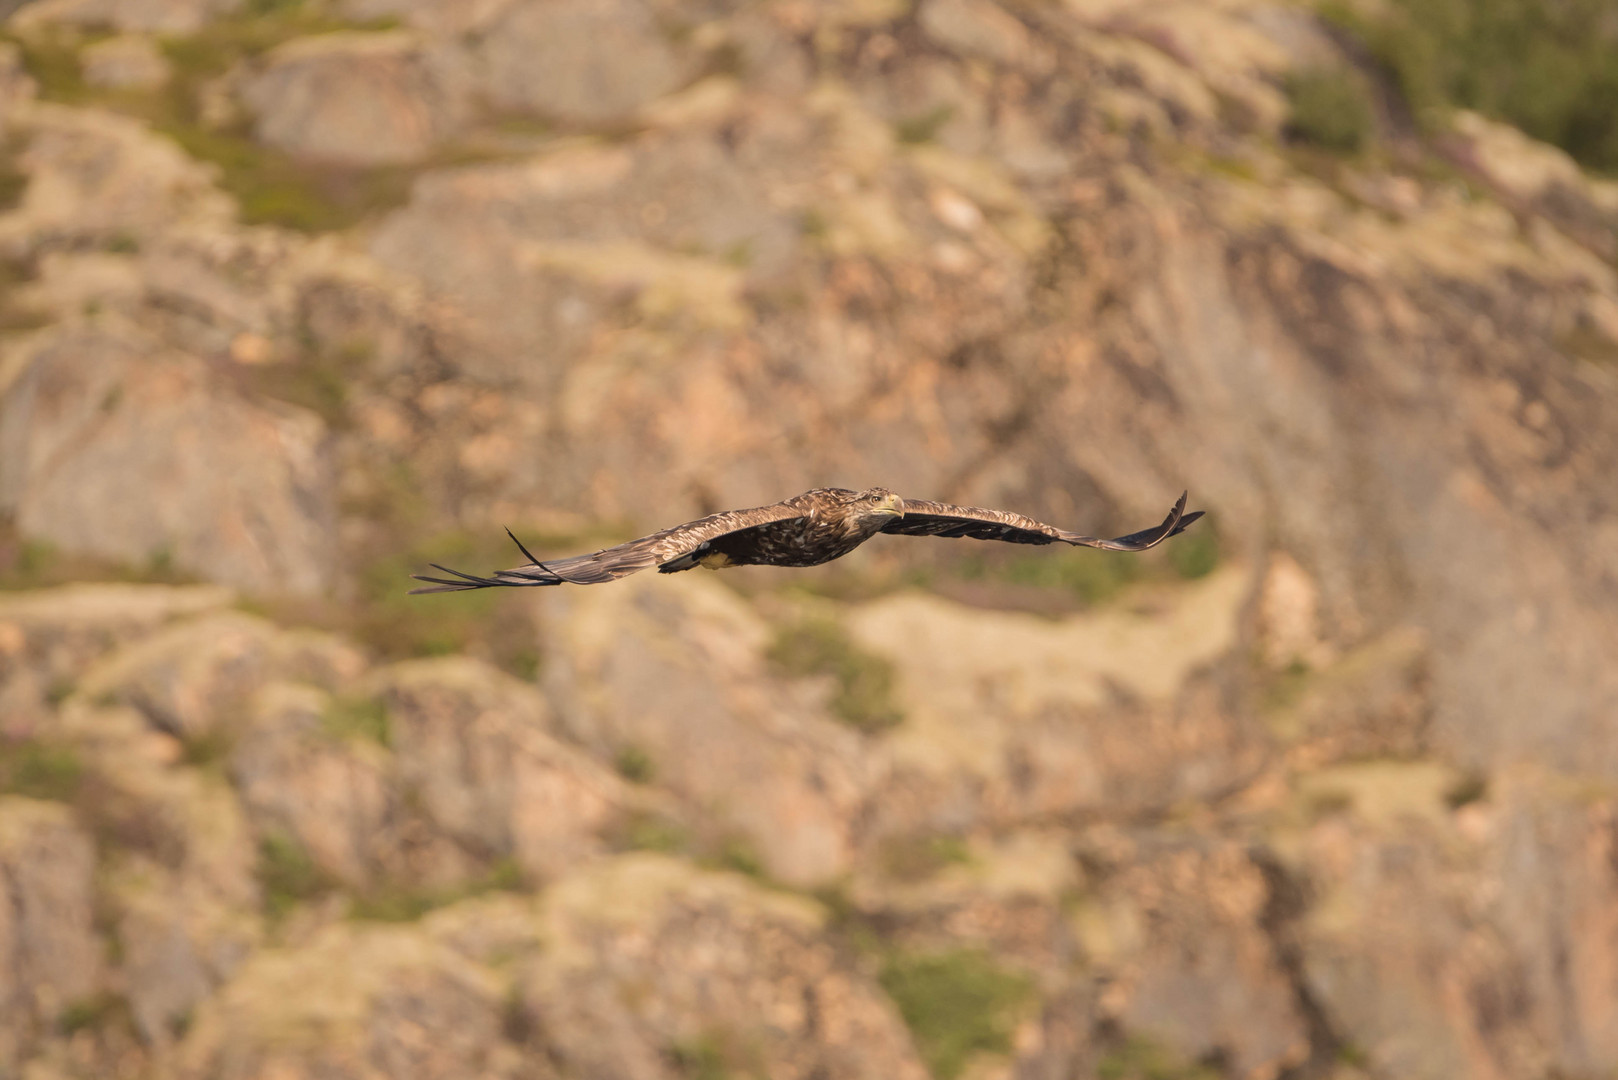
column 957, row 1004
column 653, row 832
column 16, row 317
column 1091, row 577
column 924, row 128
column 1139, row 1058
column 1330, row 109
column 715, row 1055
column 95, row 1013
column 635, row 765
column 13, row 181
column 1549, row 68
column 40, row 770
column 915, row 858
column 1468, row 788
column 351, row 716
column 287, row 873
column 864, row 683
column 406, row 903
column 270, row 187
column 39, row 564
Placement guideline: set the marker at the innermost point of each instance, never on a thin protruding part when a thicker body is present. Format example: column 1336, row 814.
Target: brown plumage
column 806, row 530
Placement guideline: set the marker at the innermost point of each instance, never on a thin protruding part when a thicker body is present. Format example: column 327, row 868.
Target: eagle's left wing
column 609, row 564
column 923, row 518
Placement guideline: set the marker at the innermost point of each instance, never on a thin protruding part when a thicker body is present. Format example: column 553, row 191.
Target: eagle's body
column 806, row 530
column 832, row 522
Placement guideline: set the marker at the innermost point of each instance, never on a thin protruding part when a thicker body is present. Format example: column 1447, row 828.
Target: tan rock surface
column 50, row 955
column 360, row 99
column 161, row 16
column 580, row 60
column 330, row 794
column 725, row 962
column 358, row 1001
column 48, row 639
column 127, row 61
column 241, row 491
column 472, row 743
column 197, row 678
column 1339, row 806
column 672, row 669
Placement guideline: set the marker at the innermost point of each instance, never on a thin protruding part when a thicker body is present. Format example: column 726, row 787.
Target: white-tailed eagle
column 806, row 530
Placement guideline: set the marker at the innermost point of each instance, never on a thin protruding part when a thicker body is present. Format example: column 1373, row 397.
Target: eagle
column 805, row 530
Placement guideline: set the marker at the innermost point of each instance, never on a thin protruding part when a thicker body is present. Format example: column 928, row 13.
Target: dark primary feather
column 923, row 518
column 614, row 562
column 806, row 530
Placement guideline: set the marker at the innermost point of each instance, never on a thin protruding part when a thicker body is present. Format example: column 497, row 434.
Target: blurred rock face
column 296, row 297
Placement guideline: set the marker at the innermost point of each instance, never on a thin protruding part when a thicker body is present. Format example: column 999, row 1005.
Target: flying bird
column 805, row 530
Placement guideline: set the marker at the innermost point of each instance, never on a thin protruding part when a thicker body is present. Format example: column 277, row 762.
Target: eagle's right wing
column 923, row 518
column 612, row 563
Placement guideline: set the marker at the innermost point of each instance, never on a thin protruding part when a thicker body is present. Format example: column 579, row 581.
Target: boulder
column 16, row 85
column 131, row 61
column 1181, row 929
column 50, row 637
column 126, row 450
column 472, row 743
column 332, row 794
column 1011, row 717
column 179, row 941
column 672, row 668
column 1440, row 939
column 581, row 61
column 349, row 98
column 651, row 962
column 196, row 679
column 101, row 177
column 155, row 16
column 357, row 1001
column 423, row 778
column 50, row 955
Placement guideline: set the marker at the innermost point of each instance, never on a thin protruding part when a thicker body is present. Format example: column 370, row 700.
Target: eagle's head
column 879, row 504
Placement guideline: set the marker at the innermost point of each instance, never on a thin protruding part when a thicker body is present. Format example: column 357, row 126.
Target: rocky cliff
column 297, row 296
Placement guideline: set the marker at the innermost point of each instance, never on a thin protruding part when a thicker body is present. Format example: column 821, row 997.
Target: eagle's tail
column 535, row 573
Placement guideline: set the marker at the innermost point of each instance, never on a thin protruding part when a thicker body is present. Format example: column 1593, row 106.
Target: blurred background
column 298, row 295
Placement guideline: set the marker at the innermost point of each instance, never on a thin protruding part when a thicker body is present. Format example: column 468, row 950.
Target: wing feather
column 923, row 518
column 612, row 563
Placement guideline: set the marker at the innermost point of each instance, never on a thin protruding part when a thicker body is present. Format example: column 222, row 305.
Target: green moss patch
column 98, row 1012
column 40, row 770
column 635, row 765
column 1088, row 577
column 13, row 181
column 288, row 875
column 653, row 832
column 407, row 903
column 1139, row 1058
column 923, row 128
column 1331, row 109
column 270, row 187
column 864, row 683
column 37, row 564
column 1549, row 68
column 957, row 1004
column 916, row 858
column 358, row 717
column 716, row 1055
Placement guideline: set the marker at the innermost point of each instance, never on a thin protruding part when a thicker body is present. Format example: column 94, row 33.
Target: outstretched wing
column 612, row 563
column 922, row 518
